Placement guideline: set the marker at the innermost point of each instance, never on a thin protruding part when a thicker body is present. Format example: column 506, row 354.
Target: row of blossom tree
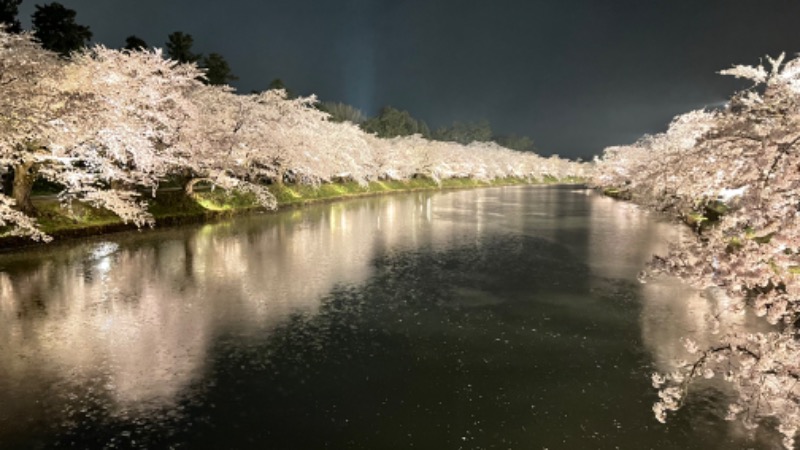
column 740, row 168
column 107, row 125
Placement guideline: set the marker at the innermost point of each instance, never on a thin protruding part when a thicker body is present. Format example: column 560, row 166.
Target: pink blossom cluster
column 110, row 126
column 734, row 174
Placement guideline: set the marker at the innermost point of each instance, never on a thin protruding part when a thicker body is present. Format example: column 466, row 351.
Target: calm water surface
column 505, row 318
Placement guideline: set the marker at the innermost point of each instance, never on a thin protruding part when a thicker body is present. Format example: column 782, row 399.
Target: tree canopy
column 465, row 132
column 107, row 127
column 516, row 142
column 134, row 42
column 217, row 69
column 55, row 27
column 278, row 85
column 733, row 174
column 8, row 15
column 179, row 47
column 391, row 122
column 341, row 112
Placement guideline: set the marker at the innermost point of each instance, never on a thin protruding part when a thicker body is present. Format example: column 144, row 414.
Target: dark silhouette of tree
column 8, row 15
column 465, row 132
column 391, row 122
column 342, row 112
column 179, row 48
column 134, row 42
column 55, row 27
column 217, row 69
column 515, row 142
column 277, row 83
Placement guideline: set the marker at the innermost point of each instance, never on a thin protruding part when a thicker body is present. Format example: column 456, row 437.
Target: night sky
column 575, row 75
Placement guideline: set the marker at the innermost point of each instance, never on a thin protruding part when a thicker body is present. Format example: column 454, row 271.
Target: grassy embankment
column 175, row 207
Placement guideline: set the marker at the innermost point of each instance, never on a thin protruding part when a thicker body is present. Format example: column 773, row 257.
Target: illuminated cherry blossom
column 735, row 170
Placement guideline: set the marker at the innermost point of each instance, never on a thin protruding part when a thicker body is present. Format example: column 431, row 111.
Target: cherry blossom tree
column 395, row 157
column 99, row 125
column 737, row 168
column 137, row 103
column 31, row 107
column 294, row 144
column 110, row 126
column 224, row 142
column 648, row 168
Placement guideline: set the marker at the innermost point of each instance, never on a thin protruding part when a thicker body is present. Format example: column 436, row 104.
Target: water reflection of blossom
column 129, row 321
column 135, row 316
column 673, row 312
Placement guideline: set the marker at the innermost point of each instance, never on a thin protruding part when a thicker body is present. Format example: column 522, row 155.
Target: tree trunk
column 279, row 178
column 184, row 178
column 24, row 175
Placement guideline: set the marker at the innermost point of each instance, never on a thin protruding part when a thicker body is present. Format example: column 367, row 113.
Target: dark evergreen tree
column 391, row 122
column 217, row 69
column 515, row 142
column 133, row 42
column 8, row 15
column 342, row 112
column 465, row 132
column 55, row 27
column 179, row 48
column 277, row 83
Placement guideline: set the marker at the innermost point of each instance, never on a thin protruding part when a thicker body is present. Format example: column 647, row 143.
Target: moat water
column 506, row 318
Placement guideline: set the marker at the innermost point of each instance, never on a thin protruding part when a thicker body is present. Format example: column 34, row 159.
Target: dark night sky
column 575, row 75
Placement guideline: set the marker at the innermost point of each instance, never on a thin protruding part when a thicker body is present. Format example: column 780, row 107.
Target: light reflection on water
column 489, row 316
